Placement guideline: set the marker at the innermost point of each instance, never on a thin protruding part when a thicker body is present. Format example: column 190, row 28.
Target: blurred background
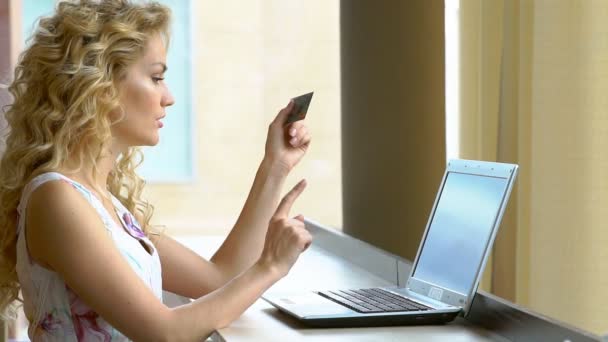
column 400, row 87
column 232, row 66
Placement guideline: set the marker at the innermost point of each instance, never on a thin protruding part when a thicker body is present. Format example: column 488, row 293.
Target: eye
column 157, row 79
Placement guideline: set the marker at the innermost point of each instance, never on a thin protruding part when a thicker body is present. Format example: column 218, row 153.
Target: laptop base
column 376, row 320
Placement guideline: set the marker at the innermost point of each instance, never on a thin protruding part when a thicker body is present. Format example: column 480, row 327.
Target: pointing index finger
column 288, row 200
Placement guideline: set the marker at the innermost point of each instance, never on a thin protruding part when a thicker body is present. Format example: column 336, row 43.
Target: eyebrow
column 161, row 64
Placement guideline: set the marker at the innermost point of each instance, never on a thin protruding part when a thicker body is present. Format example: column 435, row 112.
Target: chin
column 153, row 142
column 148, row 141
column 153, row 139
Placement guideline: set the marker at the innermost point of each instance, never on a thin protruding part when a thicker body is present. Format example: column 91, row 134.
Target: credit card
column 300, row 108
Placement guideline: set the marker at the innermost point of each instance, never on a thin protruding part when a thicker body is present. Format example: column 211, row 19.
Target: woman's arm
column 187, row 273
column 285, row 147
column 65, row 233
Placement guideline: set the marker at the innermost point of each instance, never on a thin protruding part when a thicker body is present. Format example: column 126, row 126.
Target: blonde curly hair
column 64, row 88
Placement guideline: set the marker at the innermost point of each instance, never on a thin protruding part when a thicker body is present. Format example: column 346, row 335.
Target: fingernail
column 292, row 132
column 293, row 141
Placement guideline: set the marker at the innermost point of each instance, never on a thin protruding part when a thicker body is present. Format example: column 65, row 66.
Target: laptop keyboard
column 373, row 300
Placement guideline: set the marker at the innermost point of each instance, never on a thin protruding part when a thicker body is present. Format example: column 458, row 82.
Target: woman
column 76, row 236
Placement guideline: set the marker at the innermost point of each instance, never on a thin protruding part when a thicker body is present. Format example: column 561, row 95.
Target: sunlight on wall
column 249, row 59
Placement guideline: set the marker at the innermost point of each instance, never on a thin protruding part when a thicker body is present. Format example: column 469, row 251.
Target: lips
column 160, row 123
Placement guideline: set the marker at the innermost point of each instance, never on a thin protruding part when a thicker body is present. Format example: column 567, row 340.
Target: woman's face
column 144, row 97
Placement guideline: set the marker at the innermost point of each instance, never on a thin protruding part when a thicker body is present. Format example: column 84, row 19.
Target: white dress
column 54, row 311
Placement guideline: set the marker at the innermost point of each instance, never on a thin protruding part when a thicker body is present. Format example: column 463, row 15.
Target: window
column 232, row 66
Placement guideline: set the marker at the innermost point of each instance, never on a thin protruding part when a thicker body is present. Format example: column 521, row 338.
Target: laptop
column 449, row 263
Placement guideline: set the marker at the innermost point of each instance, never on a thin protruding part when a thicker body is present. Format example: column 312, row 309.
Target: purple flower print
column 50, row 322
column 132, row 226
column 85, row 320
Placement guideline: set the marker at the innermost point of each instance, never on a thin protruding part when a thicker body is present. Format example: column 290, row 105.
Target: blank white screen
column 460, row 229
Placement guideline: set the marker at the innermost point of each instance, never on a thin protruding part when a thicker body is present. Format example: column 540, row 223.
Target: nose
column 167, row 99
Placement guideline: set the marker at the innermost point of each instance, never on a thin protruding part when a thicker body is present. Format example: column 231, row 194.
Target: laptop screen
column 460, row 228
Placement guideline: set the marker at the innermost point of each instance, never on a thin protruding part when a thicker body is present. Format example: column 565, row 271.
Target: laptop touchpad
column 312, row 304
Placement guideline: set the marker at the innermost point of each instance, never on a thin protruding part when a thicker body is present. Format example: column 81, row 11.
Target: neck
column 97, row 179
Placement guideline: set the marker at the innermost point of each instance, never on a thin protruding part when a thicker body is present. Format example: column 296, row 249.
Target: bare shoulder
column 55, row 201
column 49, row 193
column 65, row 234
column 57, row 215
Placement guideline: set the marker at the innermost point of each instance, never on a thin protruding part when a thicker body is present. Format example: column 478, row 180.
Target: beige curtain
column 10, row 13
column 5, row 67
column 534, row 90
column 5, row 62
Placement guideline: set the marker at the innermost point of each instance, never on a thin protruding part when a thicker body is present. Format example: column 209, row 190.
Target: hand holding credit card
column 300, row 108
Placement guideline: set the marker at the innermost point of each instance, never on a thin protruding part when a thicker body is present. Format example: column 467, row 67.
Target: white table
column 318, row 269
column 336, row 260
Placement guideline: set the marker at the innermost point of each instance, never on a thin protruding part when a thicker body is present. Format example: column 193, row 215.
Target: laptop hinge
column 437, row 292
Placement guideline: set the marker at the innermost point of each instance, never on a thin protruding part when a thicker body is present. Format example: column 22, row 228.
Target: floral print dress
column 54, row 311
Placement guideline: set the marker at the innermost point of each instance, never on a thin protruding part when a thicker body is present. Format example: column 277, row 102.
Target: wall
column 393, row 119
column 244, row 71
